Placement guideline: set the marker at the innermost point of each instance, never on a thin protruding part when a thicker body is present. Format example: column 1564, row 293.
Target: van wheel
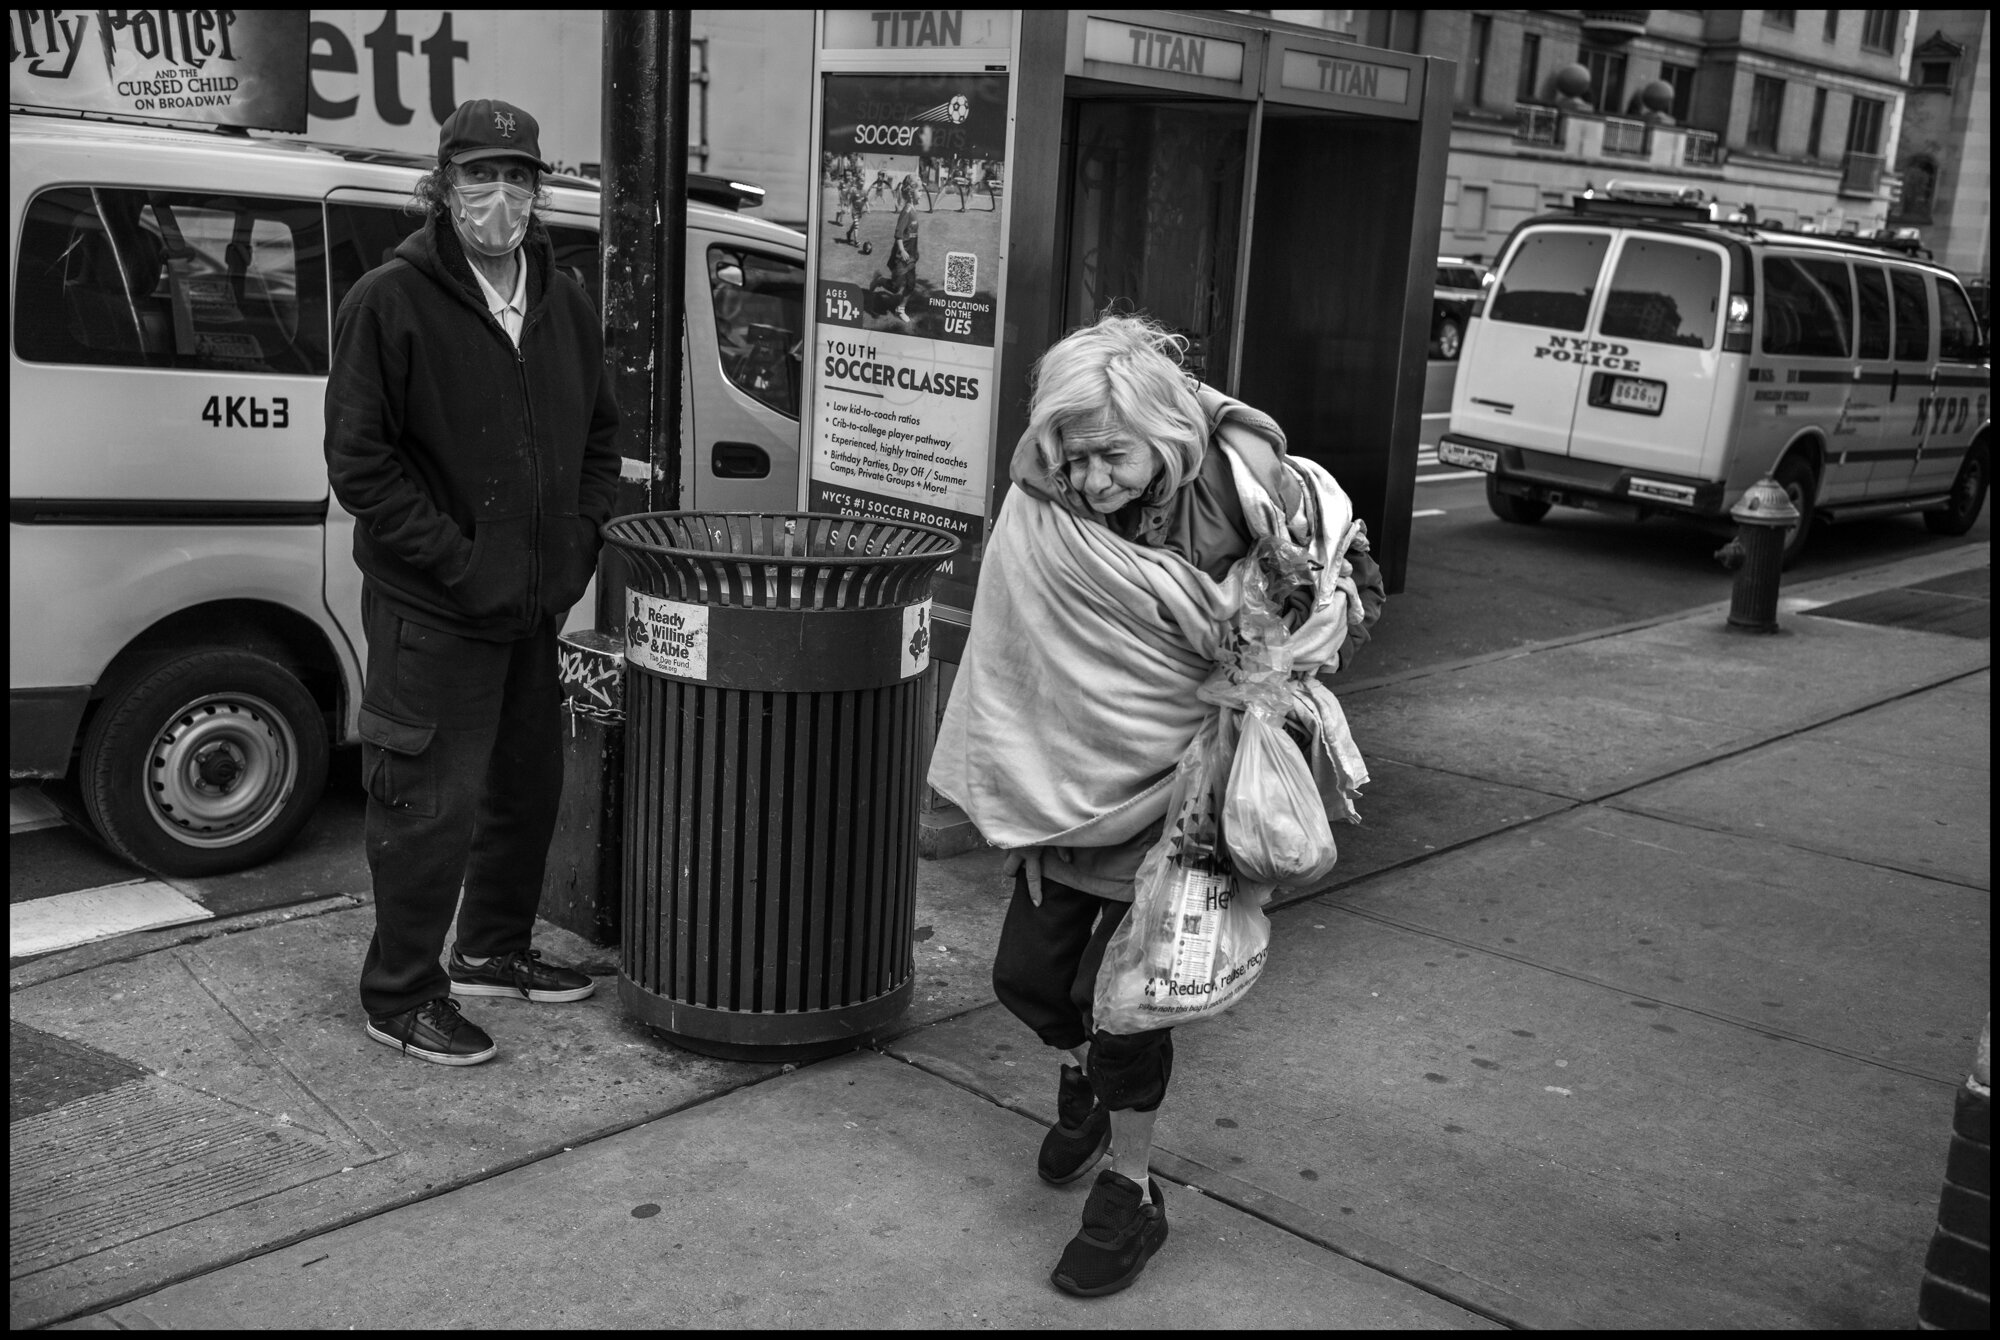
column 1968, row 495
column 204, row 763
column 1450, row 338
column 1521, row 511
column 1801, row 485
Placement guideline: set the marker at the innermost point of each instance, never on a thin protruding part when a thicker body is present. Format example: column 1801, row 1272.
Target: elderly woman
column 1107, row 595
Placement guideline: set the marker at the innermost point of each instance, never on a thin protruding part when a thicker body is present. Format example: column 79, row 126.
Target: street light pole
column 643, row 240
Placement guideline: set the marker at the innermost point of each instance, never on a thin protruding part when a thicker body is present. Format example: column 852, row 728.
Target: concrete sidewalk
column 1640, row 999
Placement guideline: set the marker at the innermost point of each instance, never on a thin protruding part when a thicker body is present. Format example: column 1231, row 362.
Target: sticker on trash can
column 916, row 639
column 667, row 636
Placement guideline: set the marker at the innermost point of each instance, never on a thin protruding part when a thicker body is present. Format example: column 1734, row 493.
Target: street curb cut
column 138, row 944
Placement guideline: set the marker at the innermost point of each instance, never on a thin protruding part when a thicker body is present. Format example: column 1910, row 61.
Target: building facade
column 1945, row 156
column 1789, row 117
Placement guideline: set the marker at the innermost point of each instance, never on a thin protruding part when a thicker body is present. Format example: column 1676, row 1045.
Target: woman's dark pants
column 464, row 793
column 1045, row 971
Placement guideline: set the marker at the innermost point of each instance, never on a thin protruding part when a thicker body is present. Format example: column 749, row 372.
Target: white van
column 1642, row 360
column 184, row 610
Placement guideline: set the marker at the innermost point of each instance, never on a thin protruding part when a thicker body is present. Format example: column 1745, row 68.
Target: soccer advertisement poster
column 908, row 225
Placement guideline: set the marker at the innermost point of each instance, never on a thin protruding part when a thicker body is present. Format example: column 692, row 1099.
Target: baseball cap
column 489, row 128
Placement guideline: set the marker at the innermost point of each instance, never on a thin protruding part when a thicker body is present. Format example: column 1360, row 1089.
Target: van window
column 1663, row 292
column 576, row 256
column 1958, row 331
column 1913, row 316
column 1808, row 310
column 1550, row 280
column 759, row 323
column 168, row 279
column 361, row 238
column 1873, row 291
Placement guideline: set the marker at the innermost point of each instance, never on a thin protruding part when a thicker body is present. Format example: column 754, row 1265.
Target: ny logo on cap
column 504, row 123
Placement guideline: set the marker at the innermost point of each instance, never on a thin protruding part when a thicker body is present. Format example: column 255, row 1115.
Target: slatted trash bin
column 779, row 699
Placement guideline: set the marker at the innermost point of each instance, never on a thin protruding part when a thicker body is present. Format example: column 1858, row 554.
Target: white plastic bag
column 1196, row 938
column 1273, row 820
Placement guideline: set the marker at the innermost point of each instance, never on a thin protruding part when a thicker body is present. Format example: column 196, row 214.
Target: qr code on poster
column 961, row 274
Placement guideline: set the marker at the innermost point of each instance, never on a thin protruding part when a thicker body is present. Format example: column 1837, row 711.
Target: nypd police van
column 1640, row 359
column 184, row 610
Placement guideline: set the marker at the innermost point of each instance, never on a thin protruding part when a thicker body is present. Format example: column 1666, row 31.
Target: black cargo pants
column 1045, row 971
column 462, row 759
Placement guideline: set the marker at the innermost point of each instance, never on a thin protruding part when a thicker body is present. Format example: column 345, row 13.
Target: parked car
column 1639, row 359
column 184, row 610
column 1460, row 285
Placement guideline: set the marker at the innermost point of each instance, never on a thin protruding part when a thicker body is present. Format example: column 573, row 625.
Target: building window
column 1818, row 123
column 1934, row 74
column 1607, row 78
column 1787, row 19
column 1531, row 67
column 1406, row 29
column 1832, row 30
column 1864, row 126
column 1681, row 79
column 1767, row 109
column 1471, row 210
column 1918, row 192
column 1878, row 28
column 1475, row 59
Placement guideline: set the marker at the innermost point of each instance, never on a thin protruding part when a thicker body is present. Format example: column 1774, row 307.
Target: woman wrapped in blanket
column 1106, row 597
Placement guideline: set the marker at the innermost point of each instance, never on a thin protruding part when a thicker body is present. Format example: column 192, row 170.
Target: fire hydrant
column 1757, row 554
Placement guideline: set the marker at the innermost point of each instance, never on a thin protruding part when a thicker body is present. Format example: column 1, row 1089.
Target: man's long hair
column 428, row 197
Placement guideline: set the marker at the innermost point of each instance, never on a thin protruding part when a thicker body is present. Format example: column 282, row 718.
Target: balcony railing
column 1615, row 25
column 1539, row 125
column 1703, row 149
column 1861, row 174
column 1625, row 137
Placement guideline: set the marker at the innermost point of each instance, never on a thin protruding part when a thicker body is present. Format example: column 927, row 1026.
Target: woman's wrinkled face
column 1106, row 463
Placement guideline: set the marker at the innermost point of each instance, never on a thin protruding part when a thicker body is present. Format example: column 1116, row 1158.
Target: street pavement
column 1640, row 998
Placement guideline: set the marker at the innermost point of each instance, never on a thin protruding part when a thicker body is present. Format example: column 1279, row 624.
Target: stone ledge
column 945, row 832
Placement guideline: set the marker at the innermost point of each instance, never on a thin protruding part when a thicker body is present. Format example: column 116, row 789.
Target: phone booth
column 1270, row 191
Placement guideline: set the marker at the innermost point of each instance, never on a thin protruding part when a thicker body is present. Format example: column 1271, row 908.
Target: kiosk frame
column 1331, row 242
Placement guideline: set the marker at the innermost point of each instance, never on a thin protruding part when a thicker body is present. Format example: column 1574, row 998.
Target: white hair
column 1127, row 368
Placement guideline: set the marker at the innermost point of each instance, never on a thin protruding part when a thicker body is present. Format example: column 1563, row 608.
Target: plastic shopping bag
column 1272, row 816
column 1196, row 937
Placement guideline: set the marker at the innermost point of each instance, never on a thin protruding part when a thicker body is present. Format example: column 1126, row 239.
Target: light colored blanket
column 1076, row 695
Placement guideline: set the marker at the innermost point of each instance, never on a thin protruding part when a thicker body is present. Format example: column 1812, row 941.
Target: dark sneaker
column 435, row 1031
column 1081, row 1134
column 521, row 973
column 1119, row 1235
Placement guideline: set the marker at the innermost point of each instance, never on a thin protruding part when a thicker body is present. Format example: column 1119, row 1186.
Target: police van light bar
column 723, row 191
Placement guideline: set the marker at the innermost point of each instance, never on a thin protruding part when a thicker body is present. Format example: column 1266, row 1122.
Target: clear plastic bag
column 1273, row 819
column 1196, row 938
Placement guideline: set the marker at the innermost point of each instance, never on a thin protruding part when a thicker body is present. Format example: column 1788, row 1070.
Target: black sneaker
column 1081, row 1134
column 521, row 973
column 435, row 1031
column 1119, row 1235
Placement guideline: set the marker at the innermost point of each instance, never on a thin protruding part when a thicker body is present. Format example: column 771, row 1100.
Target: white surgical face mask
column 491, row 216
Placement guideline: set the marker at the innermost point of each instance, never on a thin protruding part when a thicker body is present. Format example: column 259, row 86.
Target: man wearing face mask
column 470, row 430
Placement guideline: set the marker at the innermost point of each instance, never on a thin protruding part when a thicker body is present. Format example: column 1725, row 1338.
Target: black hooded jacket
column 478, row 474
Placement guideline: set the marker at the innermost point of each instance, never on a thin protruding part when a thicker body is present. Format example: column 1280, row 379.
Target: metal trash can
column 779, row 704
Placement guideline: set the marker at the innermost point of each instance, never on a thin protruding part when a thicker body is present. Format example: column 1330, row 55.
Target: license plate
column 1475, row 458
column 1634, row 394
